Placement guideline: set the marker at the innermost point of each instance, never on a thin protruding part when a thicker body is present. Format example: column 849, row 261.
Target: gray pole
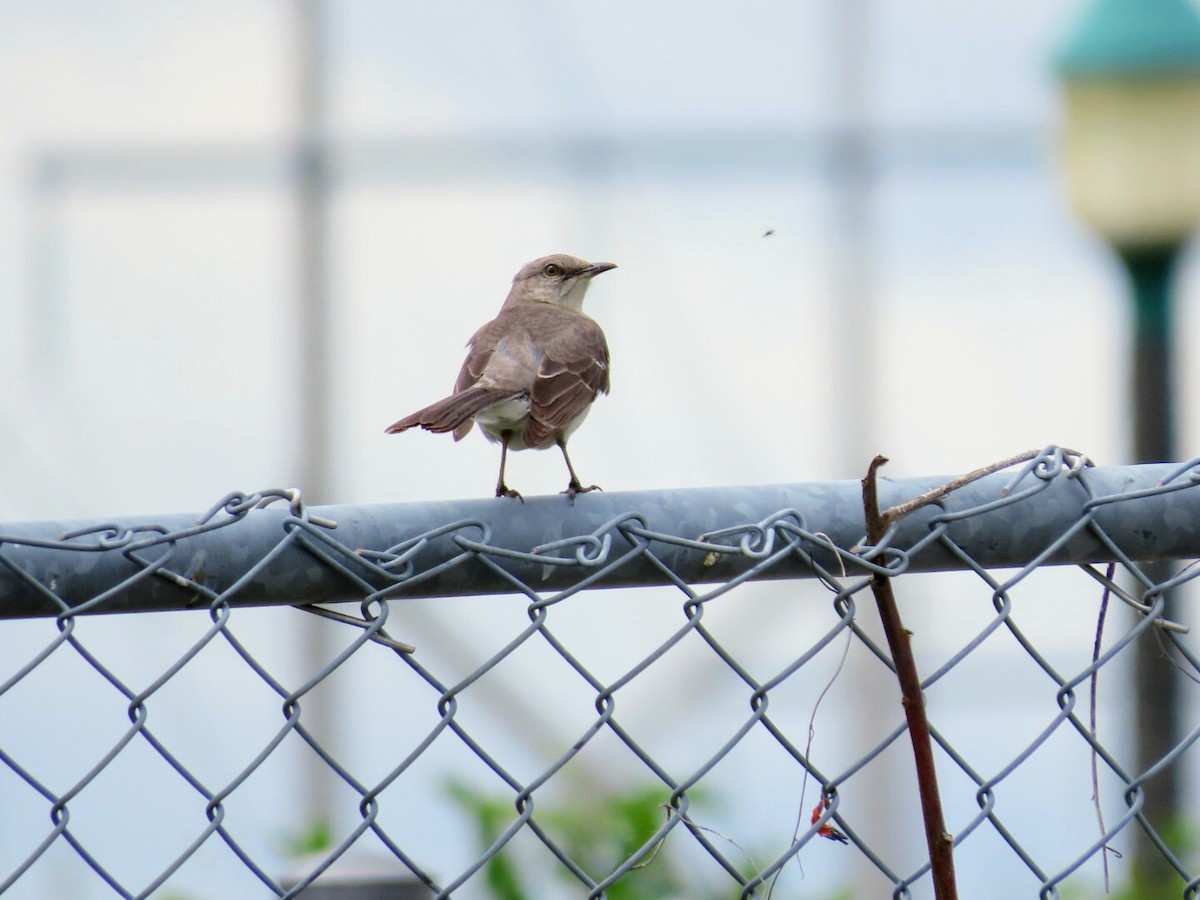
column 312, row 286
column 312, row 249
column 855, row 373
column 852, row 182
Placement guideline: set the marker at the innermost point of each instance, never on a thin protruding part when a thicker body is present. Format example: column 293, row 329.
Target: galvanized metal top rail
column 253, row 553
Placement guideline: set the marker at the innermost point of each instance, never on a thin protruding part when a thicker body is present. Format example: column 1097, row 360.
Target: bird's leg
column 573, row 486
column 502, row 489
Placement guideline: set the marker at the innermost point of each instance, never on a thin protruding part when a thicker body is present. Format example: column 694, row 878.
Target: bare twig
column 892, row 514
column 940, row 841
column 812, row 730
column 895, row 513
column 1112, row 589
column 692, row 823
column 380, row 637
column 1112, row 571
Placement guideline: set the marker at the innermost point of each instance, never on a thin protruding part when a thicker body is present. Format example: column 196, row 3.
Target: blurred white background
column 923, row 292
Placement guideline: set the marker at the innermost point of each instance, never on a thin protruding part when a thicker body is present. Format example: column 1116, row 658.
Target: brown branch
column 940, row 841
column 895, row 513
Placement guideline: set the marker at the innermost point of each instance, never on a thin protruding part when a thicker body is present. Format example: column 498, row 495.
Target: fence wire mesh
column 701, row 732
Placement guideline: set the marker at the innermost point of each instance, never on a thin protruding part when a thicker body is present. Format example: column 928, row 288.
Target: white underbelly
column 508, row 415
column 511, row 416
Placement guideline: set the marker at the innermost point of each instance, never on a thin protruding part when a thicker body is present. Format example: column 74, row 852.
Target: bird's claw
column 503, row 490
column 575, row 488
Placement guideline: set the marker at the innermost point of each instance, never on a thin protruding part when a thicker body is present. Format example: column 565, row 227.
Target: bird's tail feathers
column 453, row 412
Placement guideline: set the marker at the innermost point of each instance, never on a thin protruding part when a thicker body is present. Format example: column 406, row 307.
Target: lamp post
column 1131, row 87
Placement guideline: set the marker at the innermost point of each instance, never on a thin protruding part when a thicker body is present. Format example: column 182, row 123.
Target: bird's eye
column 552, row 270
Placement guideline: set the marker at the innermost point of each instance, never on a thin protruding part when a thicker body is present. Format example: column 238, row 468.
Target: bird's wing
column 479, row 352
column 573, row 370
column 502, row 358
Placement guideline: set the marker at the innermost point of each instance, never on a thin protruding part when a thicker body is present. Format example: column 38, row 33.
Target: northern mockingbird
column 531, row 373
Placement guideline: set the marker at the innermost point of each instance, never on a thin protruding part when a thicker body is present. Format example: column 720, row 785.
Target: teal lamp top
column 1132, row 38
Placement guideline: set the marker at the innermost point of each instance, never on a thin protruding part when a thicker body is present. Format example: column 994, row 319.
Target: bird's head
column 559, row 279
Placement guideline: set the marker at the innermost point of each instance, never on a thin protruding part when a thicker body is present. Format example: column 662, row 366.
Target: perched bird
column 531, row 373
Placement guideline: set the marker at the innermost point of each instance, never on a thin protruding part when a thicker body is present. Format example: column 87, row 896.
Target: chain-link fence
column 509, row 728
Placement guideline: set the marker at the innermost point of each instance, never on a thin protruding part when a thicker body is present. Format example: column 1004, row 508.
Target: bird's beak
column 594, row 269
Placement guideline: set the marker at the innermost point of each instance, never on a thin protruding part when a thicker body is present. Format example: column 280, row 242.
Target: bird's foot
column 574, row 488
column 503, row 490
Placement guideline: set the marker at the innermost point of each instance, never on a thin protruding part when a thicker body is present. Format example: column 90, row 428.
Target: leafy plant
column 599, row 833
